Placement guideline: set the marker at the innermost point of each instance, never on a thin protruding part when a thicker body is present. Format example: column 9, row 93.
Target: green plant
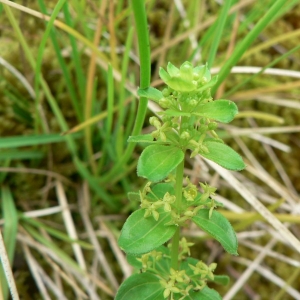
column 168, row 202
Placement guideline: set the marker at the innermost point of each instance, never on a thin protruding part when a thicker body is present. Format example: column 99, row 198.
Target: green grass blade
column 15, row 154
column 55, row 233
column 80, row 77
column 217, row 35
column 94, row 184
column 109, row 120
column 64, row 68
column 28, row 53
column 249, row 39
column 124, row 74
column 9, row 232
column 42, row 46
column 31, row 140
column 274, row 62
column 60, row 254
column 145, row 64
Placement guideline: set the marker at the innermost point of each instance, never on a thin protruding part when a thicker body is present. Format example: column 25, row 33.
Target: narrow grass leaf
column 31, row 140
column 243, row 46
column 94, row 184
column 56, row 233
column 218, row 31
column 10, row 230
column 15, row 154
column 80, row 77
column 140, row 17
column 49, row 244
column 219, row 228
column 63, row 66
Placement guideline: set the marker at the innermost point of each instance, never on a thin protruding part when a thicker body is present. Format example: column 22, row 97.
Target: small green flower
column 185, row 292
column 190, row 191
column 208, row 191
column 185, row 246
column 167, row 201
column 144, row 259
column 179, row 276
column 169, row 287
column 203, row 270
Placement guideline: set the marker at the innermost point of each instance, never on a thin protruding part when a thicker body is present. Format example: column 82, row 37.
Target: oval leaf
column 157, row 161
column 140, row 235
column 205, row 294
column 219, row 228
column 180, row 85
column 220, row 110
column 150, row 93
column 223, row 155
column 144, row 286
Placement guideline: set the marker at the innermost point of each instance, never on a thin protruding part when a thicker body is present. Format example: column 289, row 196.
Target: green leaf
column 10, row 231
column 135, row 197
column 16, row 154
column 175, row 113
column 172, row 70
column 159, row 190
column 31, row 140
column 221, row 279
column 140, row 235
column 208, row 85
column 162, row 265
column 144, row 138
column 150, row 93
column 223, row 155
column 220, row 110
column 157, row 161
column 219, row 228
column 144, row 286
column 205, row 294
column 180, row 85
column 163, row 74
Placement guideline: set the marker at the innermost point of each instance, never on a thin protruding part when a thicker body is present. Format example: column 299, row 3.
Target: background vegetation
column 68, row 79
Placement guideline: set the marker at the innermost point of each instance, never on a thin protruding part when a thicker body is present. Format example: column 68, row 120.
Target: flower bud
column 164, row 103
column 212, row 126
column 185, row 135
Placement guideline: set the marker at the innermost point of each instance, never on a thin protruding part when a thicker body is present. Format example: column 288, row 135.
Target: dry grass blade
column 270, row 276
column 35, row 273
column 124, row 265
column 94, row 241
column 278, row 256
column 257, row 205
column 251, row 268
column 69, row 223
column 7, row 270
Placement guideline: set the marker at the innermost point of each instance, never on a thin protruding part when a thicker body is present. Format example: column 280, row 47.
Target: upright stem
column 178, row 194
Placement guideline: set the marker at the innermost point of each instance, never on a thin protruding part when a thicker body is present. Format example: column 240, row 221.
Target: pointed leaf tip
column 223, row 155
column 219, row 228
